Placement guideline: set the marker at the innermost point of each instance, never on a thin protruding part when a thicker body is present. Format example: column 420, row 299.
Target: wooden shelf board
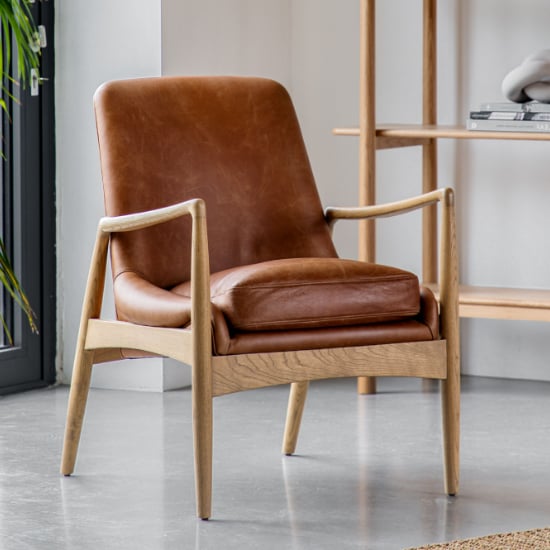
column 503, row 303
column 420, row 131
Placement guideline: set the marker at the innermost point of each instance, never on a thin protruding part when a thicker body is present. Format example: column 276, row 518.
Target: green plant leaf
column 17, row 22
column 12, row 285
column 18, row 34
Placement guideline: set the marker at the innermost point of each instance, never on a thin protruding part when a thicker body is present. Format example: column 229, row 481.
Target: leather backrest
column 233, row 141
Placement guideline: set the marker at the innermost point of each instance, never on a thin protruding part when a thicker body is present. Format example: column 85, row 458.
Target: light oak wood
column 296, row 403
column 141, row 220
column 367, row 142
column 386, row 210
column 502, row 303
column 437, row 131
column 82, row 369
column 429, row 148
column 366, row 385
column 448, row 306
column 403, row 135
column 201, row 366
column 429, row 62
column 80, row 385
column 172, row 342
column 367, row 125
column 234, row 373
column 429, row 215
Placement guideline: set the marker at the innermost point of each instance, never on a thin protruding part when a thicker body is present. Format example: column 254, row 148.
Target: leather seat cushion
column 423, row 327
column 138, row 301
column 302, row 293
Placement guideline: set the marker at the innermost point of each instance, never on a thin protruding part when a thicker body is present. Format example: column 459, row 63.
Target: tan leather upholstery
column 276, row 279
column 313, row 293
column 425, row 326
column 235, row 143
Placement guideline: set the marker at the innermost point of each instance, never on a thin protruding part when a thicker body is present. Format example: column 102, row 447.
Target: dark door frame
column 30, row 161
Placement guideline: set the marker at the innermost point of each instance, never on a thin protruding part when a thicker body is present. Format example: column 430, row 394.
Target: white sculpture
column 530, row 80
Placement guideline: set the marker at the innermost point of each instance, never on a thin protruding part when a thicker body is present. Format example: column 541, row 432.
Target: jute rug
column 536, row 539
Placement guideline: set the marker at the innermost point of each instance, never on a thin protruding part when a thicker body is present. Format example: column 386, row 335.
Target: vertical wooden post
column 429, row 150
column 201, row 369
column 450, row 391
column 367, row 144
column 367, row 127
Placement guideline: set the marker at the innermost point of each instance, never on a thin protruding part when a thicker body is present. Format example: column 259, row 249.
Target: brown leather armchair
column 222, row 258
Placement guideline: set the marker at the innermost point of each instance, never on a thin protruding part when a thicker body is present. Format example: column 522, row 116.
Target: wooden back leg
column 296, row 402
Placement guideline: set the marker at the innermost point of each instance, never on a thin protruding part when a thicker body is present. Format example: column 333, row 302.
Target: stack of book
column 511, row 117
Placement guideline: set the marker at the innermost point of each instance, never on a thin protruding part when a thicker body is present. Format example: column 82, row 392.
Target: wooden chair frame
column 102, row 340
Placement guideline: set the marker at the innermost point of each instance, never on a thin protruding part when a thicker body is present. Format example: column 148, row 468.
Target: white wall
column 324, row 85
column 229, row 37
column 312, row 47
column 94, row 43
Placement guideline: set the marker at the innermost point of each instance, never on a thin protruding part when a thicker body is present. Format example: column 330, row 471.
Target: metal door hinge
column 42, row 36
column 39, row 39
column 36, row 80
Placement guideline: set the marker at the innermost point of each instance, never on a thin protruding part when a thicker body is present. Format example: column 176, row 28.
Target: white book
column 509, row 115
column 508, row 126
column 529, row 107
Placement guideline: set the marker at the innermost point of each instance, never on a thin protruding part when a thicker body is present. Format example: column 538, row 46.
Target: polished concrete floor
column 367, row 474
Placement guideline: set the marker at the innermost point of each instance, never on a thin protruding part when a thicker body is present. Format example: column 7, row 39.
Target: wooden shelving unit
column 403, row 135
column 479, row 302
column 520, row 304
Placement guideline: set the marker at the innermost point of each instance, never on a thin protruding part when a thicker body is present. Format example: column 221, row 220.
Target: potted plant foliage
column 19, row 55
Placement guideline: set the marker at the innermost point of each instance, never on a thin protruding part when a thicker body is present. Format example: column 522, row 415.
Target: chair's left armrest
column 334, row 214
column 140, row 220
column 200, row 269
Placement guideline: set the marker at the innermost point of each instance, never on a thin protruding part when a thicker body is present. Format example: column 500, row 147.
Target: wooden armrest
column 131, row 222
column 334, row 214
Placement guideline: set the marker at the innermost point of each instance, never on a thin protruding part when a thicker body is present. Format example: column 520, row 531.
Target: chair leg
column 450, row 396
column 202, row 439
column 296, row 402
column 366, row 385
column 78, row 396
column 83, row 361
